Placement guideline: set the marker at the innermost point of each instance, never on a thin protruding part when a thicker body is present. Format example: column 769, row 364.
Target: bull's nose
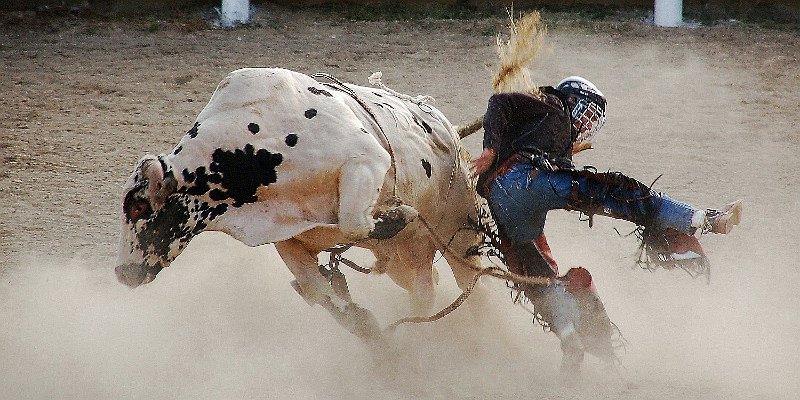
column 131, row 274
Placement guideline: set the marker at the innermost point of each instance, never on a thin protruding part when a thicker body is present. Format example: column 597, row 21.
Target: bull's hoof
column 389, row 223
column 296, row 287
column 361, row 322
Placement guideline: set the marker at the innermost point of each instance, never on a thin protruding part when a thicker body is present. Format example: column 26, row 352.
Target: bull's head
column 156, row 222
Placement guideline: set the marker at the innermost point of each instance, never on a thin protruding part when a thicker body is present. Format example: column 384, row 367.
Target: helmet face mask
column 587, row 105
column 587, row 118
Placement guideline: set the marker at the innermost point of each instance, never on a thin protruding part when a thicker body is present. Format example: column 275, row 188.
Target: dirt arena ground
column 715, row 110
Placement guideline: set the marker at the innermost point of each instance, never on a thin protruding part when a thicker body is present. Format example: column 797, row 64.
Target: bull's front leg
column 316, row 289
column 360, row 181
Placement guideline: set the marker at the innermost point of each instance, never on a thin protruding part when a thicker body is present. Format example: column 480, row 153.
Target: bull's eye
column 138, row 209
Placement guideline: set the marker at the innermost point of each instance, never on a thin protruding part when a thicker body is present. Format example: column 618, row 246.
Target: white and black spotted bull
column 279, row 157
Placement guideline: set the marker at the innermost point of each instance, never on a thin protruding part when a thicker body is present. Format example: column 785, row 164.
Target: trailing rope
column 497, row 272
column 493, row 271
column 447, row 310
column 470, row 128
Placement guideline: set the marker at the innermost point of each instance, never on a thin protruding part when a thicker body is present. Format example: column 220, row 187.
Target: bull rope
column 336, row 257
column 420, row 100
column 493, row 271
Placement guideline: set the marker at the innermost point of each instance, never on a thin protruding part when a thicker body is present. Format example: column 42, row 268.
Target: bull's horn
column 159, row 184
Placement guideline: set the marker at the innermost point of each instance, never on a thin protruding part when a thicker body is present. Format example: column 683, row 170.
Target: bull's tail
column 524, row 43
column 470, row 128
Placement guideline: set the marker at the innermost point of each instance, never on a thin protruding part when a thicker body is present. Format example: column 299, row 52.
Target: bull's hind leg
column 409, row 264
column 360, row 182
column 316, row 289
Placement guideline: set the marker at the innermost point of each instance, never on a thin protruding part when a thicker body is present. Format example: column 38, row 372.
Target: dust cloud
column 223, row 322
column 715, row 110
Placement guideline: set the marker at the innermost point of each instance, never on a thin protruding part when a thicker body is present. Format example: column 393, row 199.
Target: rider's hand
column 578, row 147
column 483, row 162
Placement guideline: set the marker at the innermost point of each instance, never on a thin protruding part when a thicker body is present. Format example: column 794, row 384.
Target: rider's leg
column 594, row 326
column 520, row 216
column 556, row 306
column 519, row 202
column 669, row 224
column 618, row 196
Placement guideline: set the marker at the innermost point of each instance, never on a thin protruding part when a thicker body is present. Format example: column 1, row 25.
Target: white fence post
column 668, row 13
column 234, row 12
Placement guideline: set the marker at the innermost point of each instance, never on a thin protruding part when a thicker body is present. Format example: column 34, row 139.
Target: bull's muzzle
column 134, row 275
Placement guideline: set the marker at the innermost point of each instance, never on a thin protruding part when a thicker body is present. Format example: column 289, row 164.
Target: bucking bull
column 279, row 157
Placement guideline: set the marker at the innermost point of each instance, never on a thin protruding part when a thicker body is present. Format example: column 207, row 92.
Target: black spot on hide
column 291, row 140
column 253, row 127
column 427, row 166
column 193, row 132
column 241, row 172
column 217, row 211
column 423, row 124
column 377, row 94
column 206, row 212
column 198, row 181
column 189, row 177
column 217, row 195
column 177, row 150
column 319, row 91
column 235, row 175
column 311, row 113
column 169, row 224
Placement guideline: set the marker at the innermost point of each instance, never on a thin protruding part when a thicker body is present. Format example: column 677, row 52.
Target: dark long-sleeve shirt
column 520, row 121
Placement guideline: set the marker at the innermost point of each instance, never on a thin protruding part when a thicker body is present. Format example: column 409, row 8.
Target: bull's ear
column 159, row 184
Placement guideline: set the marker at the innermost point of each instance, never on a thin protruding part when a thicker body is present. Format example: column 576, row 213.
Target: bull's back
column 285, row 113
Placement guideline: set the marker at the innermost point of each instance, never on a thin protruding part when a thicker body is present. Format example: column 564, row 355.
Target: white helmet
column 587, row 103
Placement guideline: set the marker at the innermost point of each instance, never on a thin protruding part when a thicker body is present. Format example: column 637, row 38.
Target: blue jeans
column 521, row 198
